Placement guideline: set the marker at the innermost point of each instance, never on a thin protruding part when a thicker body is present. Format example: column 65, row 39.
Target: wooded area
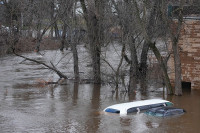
column 136, row 25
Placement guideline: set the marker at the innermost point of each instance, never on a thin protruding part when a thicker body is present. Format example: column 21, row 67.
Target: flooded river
column 28, row 107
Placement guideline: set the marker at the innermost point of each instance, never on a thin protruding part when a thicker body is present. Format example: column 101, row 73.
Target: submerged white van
column 137, row 106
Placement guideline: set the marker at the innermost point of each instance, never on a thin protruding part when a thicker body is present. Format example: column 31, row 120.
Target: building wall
column 189, row 44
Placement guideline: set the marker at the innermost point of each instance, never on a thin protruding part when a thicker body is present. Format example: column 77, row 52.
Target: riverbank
column 27, row 44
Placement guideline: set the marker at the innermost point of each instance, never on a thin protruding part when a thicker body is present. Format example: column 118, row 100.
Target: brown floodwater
column 29, row 107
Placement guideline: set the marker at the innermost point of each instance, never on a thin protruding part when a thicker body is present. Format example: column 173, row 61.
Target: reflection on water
column 78, row 108
column 28, row 107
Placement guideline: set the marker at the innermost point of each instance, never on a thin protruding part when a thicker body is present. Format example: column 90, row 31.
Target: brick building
column 189, row 44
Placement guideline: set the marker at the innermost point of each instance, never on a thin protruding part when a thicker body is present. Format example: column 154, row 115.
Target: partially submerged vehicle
column 165, row 111
column 137, row 106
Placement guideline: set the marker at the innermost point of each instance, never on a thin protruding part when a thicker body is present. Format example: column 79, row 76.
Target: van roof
column 123, row 107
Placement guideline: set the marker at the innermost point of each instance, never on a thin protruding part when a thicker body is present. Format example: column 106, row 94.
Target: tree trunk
column 134, row 66
column 75, row 57
column 63, row 39
column 119, row 66
column 56, row 30
column 150, row 30
column 94, row 21
column 143, row 62
column 38, row 40
column 177, row 62
column 74, row 42
column 162, row 65
column 96, row 62
column 52, row 16
column 95, row 46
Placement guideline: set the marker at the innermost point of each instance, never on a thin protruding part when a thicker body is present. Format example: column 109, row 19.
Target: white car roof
column 123, row 107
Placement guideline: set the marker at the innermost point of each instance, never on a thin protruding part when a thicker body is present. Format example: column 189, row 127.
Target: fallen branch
column 53, row 68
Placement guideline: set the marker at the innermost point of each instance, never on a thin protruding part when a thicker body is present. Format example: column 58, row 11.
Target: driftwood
column 53, row 68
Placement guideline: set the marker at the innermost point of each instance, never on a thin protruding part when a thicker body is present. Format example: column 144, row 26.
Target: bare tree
column 174, row 33
column 67, row 14
column 94, row 14
column 125, row 17
column 140, row 24
column 39, row 20
column 152, row 46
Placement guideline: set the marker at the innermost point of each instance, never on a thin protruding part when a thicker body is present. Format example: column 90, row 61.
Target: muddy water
column 26, row 106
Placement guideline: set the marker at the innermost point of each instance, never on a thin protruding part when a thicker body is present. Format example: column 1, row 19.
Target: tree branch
column 60, row 74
